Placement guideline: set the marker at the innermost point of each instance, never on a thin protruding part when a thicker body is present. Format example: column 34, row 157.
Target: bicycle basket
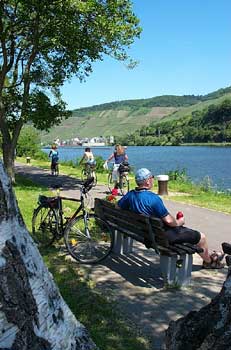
column 124, row 167
column 48, row 202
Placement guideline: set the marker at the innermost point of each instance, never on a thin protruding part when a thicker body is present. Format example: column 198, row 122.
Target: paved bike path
column 134, row 281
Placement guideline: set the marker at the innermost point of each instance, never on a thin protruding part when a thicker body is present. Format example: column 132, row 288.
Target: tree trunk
column 8, row 160
column 207, row 329
column 33, row 315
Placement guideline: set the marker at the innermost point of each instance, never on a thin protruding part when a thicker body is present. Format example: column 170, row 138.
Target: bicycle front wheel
column 88, row 239
column 44, row 226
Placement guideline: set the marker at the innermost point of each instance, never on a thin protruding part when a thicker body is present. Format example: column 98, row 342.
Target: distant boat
column 93, row 144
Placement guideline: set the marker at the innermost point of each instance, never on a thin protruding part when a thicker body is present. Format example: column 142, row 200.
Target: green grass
column 107, row 327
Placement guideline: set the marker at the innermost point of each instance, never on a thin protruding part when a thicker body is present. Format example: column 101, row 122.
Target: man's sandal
column 216, row 258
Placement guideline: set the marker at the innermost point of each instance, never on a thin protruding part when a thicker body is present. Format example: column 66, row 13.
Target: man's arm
column 169, row 220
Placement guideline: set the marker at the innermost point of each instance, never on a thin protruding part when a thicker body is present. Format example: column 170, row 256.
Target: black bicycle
column 88, row 238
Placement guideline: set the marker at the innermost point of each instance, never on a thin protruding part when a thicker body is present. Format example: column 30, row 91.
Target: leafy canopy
column 44, row 43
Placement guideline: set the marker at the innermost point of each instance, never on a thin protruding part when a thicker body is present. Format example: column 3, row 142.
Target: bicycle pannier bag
column 124, row 167
column 48, row 202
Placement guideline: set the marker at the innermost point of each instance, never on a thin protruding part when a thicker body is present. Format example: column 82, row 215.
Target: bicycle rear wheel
column 124, row 184
column 44, row 226
column 88, row 240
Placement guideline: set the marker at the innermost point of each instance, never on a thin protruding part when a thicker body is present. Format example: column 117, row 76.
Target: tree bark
column 207, row 329
column 33, row 315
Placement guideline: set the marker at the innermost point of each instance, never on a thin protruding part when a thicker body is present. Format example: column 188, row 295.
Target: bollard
column 28, row 160
column 162, row 184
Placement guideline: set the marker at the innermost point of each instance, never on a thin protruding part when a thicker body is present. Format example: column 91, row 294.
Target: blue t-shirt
column 54, row 156
column 143, row 202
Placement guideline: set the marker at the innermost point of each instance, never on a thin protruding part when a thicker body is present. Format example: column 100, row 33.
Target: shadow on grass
column 100, row 315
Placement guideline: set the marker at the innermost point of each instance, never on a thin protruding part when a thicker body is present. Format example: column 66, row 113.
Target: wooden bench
column 175, row 260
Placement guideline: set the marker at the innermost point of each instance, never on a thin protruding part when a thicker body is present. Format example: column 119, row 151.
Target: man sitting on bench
column 143, row 201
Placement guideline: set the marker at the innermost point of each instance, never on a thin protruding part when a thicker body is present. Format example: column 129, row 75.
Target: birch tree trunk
column 33, row 315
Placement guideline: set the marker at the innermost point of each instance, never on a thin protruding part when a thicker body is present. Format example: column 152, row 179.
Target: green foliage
column 99, row 164
column 28, row 142
column 178, row 175
column 48, row 43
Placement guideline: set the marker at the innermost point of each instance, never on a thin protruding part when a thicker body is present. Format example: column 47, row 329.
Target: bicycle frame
column 81, row 208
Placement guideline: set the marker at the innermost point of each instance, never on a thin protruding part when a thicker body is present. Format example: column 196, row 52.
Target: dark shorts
column 182, row 234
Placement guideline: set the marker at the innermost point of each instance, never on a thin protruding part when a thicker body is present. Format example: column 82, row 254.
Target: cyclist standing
column 119, row 156
column 54, row 155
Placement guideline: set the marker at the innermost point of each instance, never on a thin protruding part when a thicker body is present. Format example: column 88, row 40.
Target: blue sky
column 185, row 48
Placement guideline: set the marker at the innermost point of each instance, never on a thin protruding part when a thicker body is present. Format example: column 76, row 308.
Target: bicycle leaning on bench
column 88, row 238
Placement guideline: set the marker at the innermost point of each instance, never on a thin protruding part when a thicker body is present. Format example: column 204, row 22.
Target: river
column 199, row 162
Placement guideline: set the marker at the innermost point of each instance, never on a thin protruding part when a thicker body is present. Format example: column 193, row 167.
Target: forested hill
column 158, row 101
column 133, row 117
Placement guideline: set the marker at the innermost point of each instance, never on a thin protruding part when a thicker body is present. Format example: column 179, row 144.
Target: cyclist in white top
column 88, row 157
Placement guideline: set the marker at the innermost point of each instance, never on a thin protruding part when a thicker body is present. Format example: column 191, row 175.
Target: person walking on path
column 143, row 201
column 54, row 155
column 119, row 156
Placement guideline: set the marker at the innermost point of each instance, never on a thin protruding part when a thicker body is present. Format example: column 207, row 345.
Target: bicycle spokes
column 88, row 239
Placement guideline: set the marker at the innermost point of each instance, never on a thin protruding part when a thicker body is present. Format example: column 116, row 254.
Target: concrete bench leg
column 122, row 244
column 127, row 245
column 176, row 274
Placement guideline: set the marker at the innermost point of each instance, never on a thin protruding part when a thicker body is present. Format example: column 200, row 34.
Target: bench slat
column 192, row 247
column 123, row 225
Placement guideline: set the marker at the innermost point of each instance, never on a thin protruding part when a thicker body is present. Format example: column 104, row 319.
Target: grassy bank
column 180, row 189
column 108, row 328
